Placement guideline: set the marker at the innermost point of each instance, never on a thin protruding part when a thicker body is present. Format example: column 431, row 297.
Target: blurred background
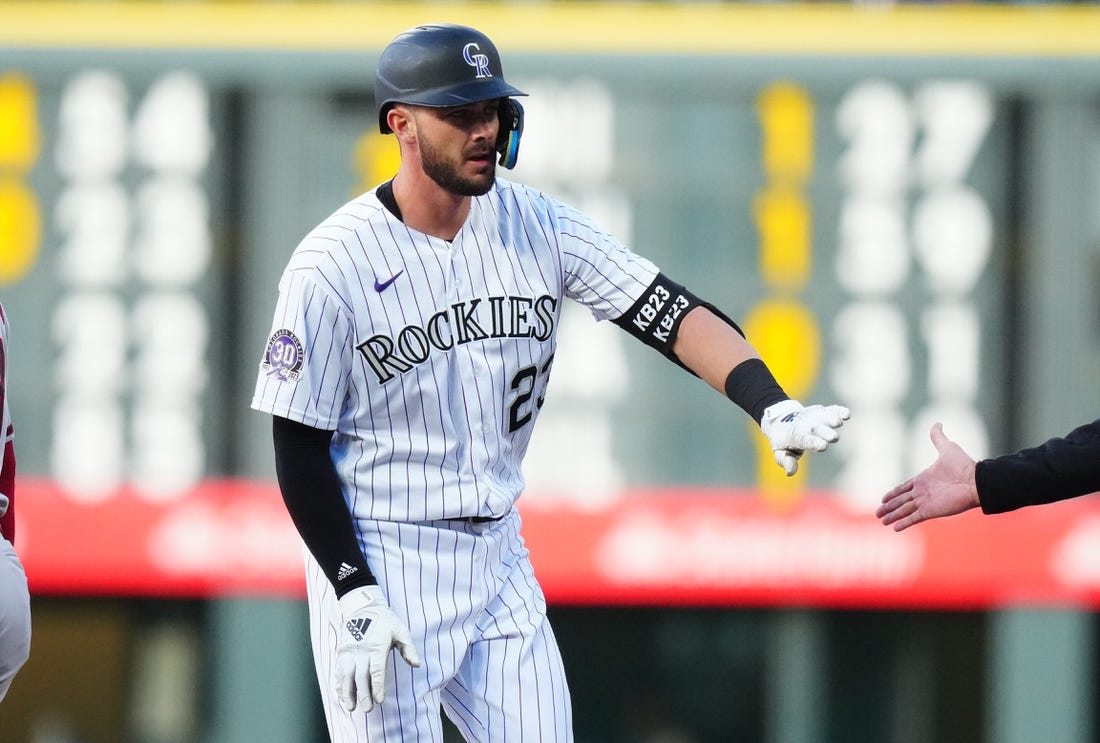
column 899, row 202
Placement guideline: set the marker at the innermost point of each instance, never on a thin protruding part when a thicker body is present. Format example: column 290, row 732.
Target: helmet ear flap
column 511, row 128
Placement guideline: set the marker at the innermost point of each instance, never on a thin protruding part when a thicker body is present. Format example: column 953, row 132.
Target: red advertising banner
column 226, row 537
column 662, row 547
column 691, row 548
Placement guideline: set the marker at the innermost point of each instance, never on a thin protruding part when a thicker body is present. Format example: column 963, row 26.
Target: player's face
column 457, row 146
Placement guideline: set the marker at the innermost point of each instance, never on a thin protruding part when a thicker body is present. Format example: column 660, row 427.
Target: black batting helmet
column 440, row 64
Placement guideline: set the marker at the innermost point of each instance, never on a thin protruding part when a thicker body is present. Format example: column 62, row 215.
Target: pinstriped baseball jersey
column 428, row 358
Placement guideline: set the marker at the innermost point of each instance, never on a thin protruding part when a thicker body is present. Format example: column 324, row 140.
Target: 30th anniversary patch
column 283, row 358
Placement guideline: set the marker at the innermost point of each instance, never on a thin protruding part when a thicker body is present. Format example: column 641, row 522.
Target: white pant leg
column 512, row 686
column 473, row 608
column 15, row 616
column 477, row 618
column 415, row 567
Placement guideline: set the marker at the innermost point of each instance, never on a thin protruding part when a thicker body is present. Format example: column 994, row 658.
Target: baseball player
column 413, row 337
column 15, row 602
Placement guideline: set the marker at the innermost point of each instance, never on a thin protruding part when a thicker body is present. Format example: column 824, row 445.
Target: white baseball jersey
column 429, row 360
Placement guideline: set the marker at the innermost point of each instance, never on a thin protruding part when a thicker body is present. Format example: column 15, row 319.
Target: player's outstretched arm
column 712, row 348
column 944, row 488
column 371, row 631
column 698, row 337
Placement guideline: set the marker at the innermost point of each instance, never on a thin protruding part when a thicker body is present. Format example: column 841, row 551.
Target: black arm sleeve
column 655, row 317
column 1059, row 469
column 311, row 491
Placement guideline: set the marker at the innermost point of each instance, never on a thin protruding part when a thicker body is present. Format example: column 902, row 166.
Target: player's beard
column 446, row 172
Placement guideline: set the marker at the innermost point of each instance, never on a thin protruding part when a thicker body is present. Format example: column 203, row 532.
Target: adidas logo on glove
column 357, row 627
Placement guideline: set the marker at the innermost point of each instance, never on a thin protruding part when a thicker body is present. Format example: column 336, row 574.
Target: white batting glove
column 371, row 630
column 792, row 429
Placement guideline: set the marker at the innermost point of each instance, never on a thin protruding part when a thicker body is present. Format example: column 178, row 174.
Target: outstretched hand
column 792, row 429
column 944, row 488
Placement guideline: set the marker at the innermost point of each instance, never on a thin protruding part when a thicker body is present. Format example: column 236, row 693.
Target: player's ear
column 401, row 121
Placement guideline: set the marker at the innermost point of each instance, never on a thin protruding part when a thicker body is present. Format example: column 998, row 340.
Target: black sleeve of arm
column 313, row 497
column 1059, row 469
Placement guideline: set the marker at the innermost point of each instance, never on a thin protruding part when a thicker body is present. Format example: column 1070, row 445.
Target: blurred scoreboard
column 109, row 266
column 851, row 184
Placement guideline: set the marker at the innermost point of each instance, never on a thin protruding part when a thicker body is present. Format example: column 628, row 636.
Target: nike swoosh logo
column 382, row 285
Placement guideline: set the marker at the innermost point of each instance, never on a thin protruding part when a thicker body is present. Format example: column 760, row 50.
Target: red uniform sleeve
column 7, row 487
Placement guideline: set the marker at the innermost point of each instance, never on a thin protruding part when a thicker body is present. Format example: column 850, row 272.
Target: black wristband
column 752, row 386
